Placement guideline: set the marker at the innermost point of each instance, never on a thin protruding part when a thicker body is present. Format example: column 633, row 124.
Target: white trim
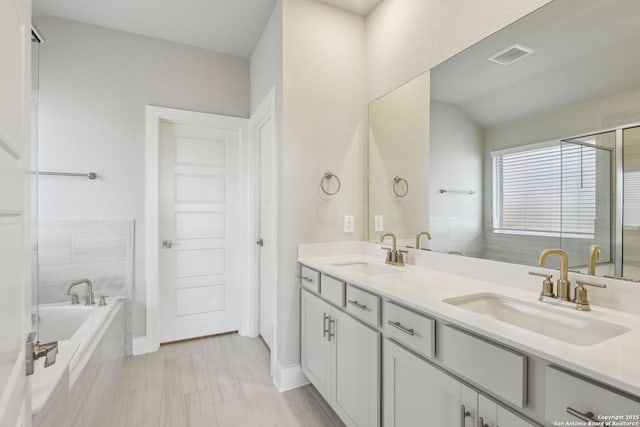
column 289, row 377
column 263, row 113
column 526, row 147
column 154, row 116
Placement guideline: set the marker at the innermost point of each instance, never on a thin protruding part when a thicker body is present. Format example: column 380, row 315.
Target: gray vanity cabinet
column 315, row 346
column 417, row 393
column 341, row 358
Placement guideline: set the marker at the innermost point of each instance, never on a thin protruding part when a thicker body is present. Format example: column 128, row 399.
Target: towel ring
column 328, row 176
column 397, row 180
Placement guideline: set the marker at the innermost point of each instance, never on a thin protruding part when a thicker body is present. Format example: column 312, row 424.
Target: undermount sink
column 551, row 322
column 369, row 268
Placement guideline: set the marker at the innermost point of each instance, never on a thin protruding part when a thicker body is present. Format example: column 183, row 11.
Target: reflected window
column 546, row 189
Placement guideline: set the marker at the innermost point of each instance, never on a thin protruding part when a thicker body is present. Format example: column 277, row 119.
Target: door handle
column 168, row 244
column 260, row 242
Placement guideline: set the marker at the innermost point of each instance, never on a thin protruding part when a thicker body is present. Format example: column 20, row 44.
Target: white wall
column 399, row 146
column 323, row 129
column 408, row 37
column 266, row 62
column 455, row 163
column 94, row 85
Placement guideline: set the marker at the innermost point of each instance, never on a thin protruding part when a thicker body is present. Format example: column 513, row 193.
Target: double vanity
column 418, row 345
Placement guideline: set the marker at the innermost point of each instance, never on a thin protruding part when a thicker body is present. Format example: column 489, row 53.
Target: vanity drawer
column 410, row 328
column 310, row 279
column 564, row 390
column 332, row 290
column 500, row 370
column 363, row 305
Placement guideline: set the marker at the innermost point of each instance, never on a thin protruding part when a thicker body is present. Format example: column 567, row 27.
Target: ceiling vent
column 511, row 54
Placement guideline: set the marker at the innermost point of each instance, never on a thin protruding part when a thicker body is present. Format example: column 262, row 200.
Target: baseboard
column 144, row 344
column 288, row 377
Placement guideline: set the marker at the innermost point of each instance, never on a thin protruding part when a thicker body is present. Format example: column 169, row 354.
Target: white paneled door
column 198, row 189
column 15, row 29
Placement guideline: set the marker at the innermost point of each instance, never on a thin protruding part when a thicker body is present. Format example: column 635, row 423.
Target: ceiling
column 359, row 7
column 583, row 51
column 226, row 26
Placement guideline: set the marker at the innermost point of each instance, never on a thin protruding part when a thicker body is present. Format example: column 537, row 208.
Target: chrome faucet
column 594, row 255
column 90, row 297
column 420, row 234
column 394, row 256
column 563, row 284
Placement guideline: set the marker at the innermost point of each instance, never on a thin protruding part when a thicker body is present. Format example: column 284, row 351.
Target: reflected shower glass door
column 631, row 200
column 588, row 208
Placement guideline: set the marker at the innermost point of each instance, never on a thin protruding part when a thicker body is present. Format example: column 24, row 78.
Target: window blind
column 631, row 199
column 549, row 190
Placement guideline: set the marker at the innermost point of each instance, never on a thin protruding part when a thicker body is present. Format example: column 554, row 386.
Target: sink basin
column 369, row 268
column 551, row 322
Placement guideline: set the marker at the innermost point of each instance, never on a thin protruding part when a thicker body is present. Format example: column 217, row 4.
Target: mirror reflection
column 524, row 141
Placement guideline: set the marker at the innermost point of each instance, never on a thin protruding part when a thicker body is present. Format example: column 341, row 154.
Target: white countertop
column 613, row 361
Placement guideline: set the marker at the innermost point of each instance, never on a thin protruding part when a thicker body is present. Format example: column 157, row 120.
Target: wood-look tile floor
column 208, row 382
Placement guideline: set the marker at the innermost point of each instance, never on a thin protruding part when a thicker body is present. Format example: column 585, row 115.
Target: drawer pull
column 397, row 325
column 307, row 279
column 463, row 414
column 587, row 416
column 357, row 305
column 324, row 325
column 481, row 422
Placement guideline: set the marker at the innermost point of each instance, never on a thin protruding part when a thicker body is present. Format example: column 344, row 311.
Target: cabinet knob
column 481, row 422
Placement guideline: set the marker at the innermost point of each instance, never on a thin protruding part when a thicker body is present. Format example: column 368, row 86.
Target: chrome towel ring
column 397, row 184
column 328, row 176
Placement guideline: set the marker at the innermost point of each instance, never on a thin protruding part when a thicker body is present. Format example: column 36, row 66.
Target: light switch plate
column 379, row 223
column 348, row 223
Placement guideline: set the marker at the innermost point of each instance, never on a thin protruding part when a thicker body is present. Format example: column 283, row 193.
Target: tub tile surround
column 101, row 251
column 430, row 277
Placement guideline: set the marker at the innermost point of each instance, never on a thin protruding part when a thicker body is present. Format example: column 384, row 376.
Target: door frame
column 264, row 113
column 154, row 117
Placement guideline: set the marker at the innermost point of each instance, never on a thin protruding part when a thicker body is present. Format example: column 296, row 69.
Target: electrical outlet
column 379, row 223
column 348, row 223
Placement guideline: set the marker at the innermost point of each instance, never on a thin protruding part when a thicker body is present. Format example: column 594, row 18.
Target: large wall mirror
column 525, row 141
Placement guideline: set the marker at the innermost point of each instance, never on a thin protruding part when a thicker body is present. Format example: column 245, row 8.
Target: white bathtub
column 58, row 322
column 78, row 329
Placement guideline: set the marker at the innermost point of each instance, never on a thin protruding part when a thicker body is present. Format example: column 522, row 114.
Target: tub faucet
column 90, row 297
column 420, row 234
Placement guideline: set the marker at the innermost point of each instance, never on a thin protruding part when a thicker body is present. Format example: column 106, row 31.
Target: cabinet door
column 315, row 346
column 507, row 418
column 416, row 393
column 487, row 413
column 356, row 373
